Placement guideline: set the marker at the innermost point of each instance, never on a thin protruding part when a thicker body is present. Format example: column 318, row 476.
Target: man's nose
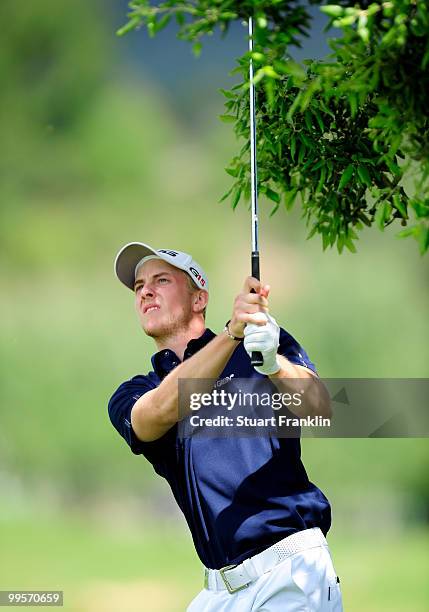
column 147, row 291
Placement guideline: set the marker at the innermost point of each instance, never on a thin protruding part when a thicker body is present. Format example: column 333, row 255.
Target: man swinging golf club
column 257, row 522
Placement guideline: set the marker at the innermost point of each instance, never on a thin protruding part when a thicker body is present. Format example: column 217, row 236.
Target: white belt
column 237, row 577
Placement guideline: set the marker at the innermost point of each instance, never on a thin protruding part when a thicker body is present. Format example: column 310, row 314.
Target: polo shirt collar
column 166, row 360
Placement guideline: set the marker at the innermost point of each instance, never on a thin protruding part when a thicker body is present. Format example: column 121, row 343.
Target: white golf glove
column 265, row 339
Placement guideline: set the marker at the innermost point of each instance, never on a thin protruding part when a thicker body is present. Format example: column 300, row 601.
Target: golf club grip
column 255, row 265
column 256, row 358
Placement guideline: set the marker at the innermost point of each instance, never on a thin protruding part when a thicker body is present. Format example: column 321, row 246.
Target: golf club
column 256, row 359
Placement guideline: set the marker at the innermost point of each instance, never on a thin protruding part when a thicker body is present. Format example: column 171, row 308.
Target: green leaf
column 272, row 195
column 294, row 69
column 325, row 241
column 258, row 57
column 151, row 28
column 308, row 120
column 348, row 243
column 382, row 214
column 293, row 147
column 308, row 93
column 365, row 219
column 290, row 197
column 232, row 171
column 312, row 231
column 260, row 74
column 180, row 18
column 162, row 23
column 132, row 24
column 274, row 210
column 319, row 121
column 269, row 91
column 420, row 208
column 236, row 198
column 301, row 152
column 196, row 48
column 364, row 33
column 409, row 231
column 387, row 211
column 379, row 216
column 423, row 238
column 353, row 101
column 294, row 106
column 322, row 178
column 306, row 140
column 364, row 175
column 228, row 94
column 346, row 177
column 399, row 205
column 344, row 22
column 425, row 59
column 394, row 168
column 270, row 72
column 227, row 15
column 228, row 118
column 333, row 10
column 226, row 195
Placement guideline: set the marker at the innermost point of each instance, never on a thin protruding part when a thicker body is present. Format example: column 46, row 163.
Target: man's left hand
column 265, row 339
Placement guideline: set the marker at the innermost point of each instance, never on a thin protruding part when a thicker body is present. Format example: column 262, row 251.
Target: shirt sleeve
column 293, row 351
column 119, row 408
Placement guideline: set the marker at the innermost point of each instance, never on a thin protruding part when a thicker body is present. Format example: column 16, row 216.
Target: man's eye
column 162, row 280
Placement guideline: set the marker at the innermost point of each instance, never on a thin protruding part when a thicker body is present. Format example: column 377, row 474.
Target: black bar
column 256, row 359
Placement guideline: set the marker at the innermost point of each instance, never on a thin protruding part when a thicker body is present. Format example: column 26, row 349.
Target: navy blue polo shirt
column 239, row 495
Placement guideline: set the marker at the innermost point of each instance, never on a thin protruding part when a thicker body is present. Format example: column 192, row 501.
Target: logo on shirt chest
column 224, row 381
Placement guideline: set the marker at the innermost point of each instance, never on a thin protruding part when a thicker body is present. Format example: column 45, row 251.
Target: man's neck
column 178, row 341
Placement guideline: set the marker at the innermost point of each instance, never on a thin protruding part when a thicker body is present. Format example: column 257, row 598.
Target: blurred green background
column 109, row 140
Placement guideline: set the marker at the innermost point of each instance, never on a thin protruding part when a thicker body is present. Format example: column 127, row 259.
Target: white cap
column 132, row 254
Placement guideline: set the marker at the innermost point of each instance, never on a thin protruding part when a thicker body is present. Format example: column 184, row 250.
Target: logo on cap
column 197, row 276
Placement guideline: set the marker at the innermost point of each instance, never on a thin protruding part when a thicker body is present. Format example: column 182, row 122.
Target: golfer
column 257, row 522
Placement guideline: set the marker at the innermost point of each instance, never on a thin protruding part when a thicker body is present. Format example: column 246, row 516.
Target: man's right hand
column 248, row 305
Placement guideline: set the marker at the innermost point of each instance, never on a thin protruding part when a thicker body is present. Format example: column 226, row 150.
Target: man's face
column 163, row 299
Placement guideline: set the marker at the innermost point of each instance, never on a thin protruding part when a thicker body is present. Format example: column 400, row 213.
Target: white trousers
column 304, row 582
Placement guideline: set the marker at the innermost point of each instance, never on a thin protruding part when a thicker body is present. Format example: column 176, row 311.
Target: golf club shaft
column 256, row 358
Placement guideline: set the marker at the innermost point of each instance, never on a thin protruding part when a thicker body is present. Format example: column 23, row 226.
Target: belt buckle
column 230, row 588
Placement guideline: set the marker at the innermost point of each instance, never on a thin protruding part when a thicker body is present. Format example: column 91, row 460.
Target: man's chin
column 154, row 330
column 165, row 328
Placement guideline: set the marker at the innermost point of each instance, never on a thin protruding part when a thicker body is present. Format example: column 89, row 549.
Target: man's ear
column 200, row 299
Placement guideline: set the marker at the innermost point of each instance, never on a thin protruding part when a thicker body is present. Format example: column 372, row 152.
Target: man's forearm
column 208, row 363
column 297, row 379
